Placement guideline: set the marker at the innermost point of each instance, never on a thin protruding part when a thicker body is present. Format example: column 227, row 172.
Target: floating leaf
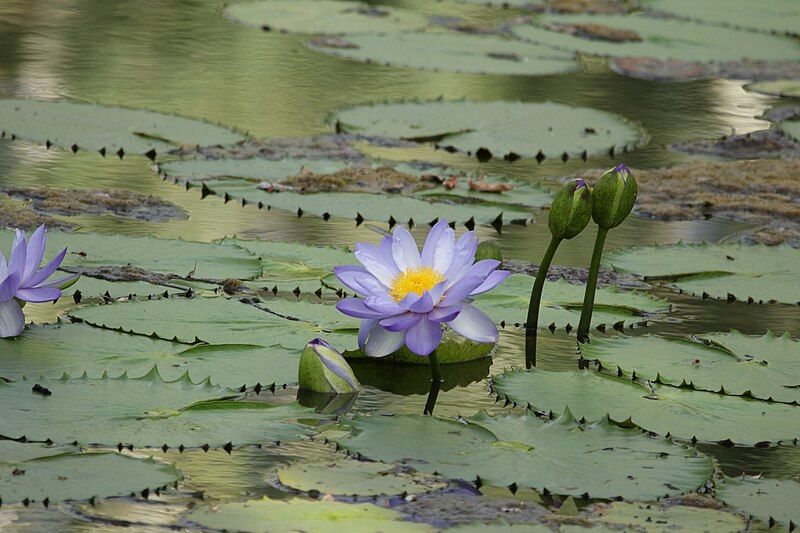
column 661, row 38
column 561, row 456
column 664, row 517
column 765, row 367
column 773, row 16
column 790, row 128
column 323, row 16
column 562, row 301
column 454, row 52
column 499, row 127
column 765, row 499
column 680, row 412
column 349, row 477
column 782, row 88
column 114, row 130
column 154, row 412
column 760, row 272
column 222, row 321
column 36, row 473
column 301, row 515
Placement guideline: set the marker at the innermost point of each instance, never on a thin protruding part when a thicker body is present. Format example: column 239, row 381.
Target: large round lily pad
column 36, row 473
column 561, row 456
column 454, row 52
column 766, row 368
column 764, row 499
column 110, row 129
column 154, row 412
column 658, row 37
column 680, row 412
column 501, row 128
column 769, row 15
column 763, row 273
column 332, row 17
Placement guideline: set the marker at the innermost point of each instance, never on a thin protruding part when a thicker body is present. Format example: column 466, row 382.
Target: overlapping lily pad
column 665, row 517
column 766, row 368
column 454, row 52
column 772, row 16
column 762, row 273
column 563, row 457
column 146, row 411
column 767, row 500
column 522, row 128
column 35, row 473
column 783, row 88
column 114, row 130
column 680, row 412
column 660, row 38
column 331, row 17
column 301, row 515
column 562, row 301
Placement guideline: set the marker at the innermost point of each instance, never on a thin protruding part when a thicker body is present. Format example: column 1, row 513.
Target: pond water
column 183, row 57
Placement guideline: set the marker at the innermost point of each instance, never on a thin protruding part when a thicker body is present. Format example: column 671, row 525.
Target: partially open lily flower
column 21, row 279
column 405, row 296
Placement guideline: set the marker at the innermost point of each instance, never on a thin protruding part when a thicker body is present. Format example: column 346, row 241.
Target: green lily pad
column 561, row 456
column 764, row 499
column 349, row 477
column 454, row 52
column 52, row 350
column 56, row 477
column 162, row 256
column 767, row 368
column 773, row 16
column 522, row 128
column 664, row 517
column 324, row 17
column 297, row 514
column 790, row 128
column 110, row 129
column 679, row 412
column 89, row 287
column 782, row 88
column 154, row 412
column 662, row 38
column 223, row 321
column 562, row 301
column 763, row 273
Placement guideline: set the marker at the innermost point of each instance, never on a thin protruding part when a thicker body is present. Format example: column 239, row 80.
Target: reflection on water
column 183, row 57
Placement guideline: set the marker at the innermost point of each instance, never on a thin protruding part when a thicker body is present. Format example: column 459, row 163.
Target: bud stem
column 436, row 373
column 591, row 286
column 433, row 394
column 532, row 323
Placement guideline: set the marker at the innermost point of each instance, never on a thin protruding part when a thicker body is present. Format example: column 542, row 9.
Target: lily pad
column 760, row 272
column 661, row 38
column 790, row 128
column 155, row 412
column 767, row 500
column 782, row 88
column 679, row 412
column 767, row 368
column 522, row 128
column 113, row 130
column 68, row 475
column 454, row 52
column 664, row 517
column 222, row 321
column 323, row 16
column 301, row 515
column 562, row 456
column 50, row 351
column 772, row 16
column 351, row 477
column 562, row 301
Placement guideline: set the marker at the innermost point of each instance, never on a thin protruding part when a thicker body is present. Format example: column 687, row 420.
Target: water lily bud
column 571, row 209
column 488, row 250
column 323, row 369
column 614, row 195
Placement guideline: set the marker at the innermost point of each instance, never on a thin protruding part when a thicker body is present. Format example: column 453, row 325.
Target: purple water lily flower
column 21, row 279
column 405, row 296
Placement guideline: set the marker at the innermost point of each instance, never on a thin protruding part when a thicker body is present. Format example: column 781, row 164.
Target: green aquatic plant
column 569, row 214
column 613, row 198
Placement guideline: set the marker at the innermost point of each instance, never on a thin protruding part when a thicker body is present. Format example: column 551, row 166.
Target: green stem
column 436, row 373
column 591, row 286
column 433, row 394
column 532, row 323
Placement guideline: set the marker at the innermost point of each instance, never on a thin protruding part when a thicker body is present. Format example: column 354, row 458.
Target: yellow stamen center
column 416, row 280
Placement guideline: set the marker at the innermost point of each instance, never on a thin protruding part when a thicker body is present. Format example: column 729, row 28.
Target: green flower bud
column 323, row 369
column 488, row 250
column 614, row 195
column 571, row 209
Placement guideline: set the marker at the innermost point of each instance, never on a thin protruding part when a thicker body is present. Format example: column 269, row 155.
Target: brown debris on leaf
column 120, row 273
column 596, row 7
column 755, row 145
column 648, row 68
column 484, row 186
column 334, row 42
column 16, row 215
column 355, row 179
column 595, row 32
